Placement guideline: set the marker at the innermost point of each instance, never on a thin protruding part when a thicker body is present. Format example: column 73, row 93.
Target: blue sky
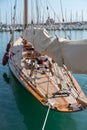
column 70, row 7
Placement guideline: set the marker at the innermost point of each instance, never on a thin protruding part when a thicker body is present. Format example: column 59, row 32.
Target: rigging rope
column 57, row 75
column 53, row 10
column 46, row 118
column 14, row 12
column 62, row 11
column 14, row 16
column 48, row 86
column 32, row 12
column 65, row 82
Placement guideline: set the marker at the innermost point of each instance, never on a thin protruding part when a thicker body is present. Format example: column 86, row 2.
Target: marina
column 45, row 68
column 56, row 26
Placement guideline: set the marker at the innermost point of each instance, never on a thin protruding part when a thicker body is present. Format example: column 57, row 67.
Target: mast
column 11, row 15
column 71, row 16
column 0, row 16
column 62, row 10
column 82, row 15
column 25, row 13
column 37, row 11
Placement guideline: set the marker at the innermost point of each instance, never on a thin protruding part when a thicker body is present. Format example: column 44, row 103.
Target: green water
column 19, row 110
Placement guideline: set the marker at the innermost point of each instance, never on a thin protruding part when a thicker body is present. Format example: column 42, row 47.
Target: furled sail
column 71, row 53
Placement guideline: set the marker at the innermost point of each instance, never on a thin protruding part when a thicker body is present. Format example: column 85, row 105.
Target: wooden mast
column 25, row 13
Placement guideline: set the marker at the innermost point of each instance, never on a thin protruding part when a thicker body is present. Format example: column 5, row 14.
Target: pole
column 25, row 13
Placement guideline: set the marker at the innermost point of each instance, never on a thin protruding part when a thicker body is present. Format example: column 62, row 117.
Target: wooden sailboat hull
column 36, row 94
column 57, row 101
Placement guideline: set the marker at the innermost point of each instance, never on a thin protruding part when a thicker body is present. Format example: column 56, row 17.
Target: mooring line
column 46, row 118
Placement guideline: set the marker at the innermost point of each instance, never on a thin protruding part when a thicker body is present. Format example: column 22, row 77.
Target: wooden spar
column 25, row 14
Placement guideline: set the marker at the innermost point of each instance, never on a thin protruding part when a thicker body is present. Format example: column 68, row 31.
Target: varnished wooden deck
column 59, row 90
column 45, row 85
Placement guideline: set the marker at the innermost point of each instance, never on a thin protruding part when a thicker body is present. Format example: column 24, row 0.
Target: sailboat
column 43, row 65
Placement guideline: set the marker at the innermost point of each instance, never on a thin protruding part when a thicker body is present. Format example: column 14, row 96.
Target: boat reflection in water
column 33, row 113
column 6, row 77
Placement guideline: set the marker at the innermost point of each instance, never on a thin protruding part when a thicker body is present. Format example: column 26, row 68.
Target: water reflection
column 34, row 113
column 6, row 78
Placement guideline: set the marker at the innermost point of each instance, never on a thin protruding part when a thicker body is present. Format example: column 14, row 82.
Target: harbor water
column 19, row 110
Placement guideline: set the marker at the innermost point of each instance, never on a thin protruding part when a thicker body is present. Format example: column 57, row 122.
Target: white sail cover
column 71, row 53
